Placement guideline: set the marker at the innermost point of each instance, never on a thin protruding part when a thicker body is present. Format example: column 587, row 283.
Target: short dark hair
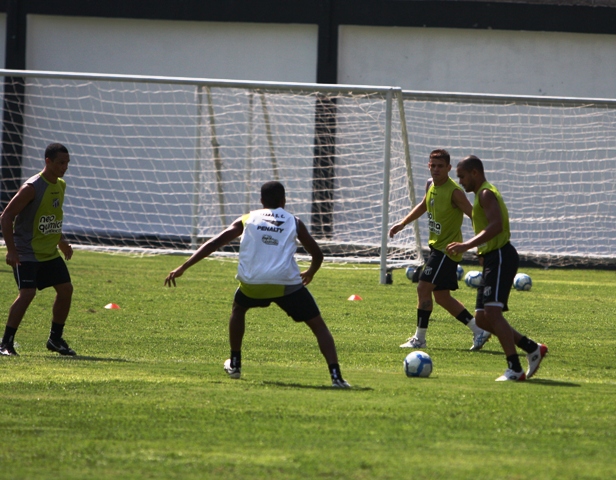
column 471, row 163
column 53, row 149
column 272, row 194
column 442, row 154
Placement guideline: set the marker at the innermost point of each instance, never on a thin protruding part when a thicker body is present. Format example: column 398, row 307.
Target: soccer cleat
column 60, row 346
column 414, row 342
column 339, row 383
column 8, row 350
column 511, row 376
column 232, row 372
column 479, row 340
column 534, row 359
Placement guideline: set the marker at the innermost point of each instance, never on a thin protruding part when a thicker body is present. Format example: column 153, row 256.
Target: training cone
column 112, row 306
column 352, row 298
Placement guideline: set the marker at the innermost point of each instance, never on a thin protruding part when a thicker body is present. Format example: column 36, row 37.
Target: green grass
column 147, row 396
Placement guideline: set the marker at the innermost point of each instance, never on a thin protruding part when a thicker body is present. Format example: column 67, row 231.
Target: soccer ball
column 473, row 278
column 409, row 273
column 460, row 272
column 522, row 282
column 413, row 273
column 418, row 364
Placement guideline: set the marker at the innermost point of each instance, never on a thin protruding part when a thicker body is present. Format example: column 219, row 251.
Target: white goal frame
column 387, row 139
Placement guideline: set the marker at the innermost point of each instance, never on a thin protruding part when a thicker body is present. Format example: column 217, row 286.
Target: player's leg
column 237, row 327
column 460, row 313
column 301, row 307
column 327, row 346
column 55, row 274
column 425, row 304
column 25, row 276
column 17, row 312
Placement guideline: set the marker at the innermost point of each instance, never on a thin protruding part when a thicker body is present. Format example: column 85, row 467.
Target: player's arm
column 209, row 247
column 65, row 248
column 459, row 200
column 23, row 197
column 313, row 249
column 415, row 213
column 490, row 206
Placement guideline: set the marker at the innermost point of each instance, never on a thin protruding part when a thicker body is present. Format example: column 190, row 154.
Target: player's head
column 53, row 149
column 273, row 195
column 470, row 173
column 440, row 154
column 439, row 165
column 56, row 161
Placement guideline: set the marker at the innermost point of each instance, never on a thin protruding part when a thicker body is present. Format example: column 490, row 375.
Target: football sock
column 513, row 361
column 420, row 334
column 236, row 359
column 334, row 371
column 9, row 335
column 423, row 318
column 527, row 345
column 56, row 331
column 465, row 317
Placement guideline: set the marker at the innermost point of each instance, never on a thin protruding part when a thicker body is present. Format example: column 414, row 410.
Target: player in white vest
column 268, row 273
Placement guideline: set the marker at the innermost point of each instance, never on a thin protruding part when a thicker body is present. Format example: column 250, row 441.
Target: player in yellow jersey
column 500, row 262
column 268, row 273
column 446, row 204
column 32, row 229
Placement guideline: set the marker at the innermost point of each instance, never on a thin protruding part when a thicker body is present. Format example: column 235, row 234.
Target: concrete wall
column 273, row 52
column 480, row 61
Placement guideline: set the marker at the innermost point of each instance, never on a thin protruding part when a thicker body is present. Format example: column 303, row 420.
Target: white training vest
column 267, row 248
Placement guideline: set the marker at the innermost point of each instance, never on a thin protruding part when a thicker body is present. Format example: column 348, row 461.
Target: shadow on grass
column 66, row 358
column 312, row 387
column 552, row 383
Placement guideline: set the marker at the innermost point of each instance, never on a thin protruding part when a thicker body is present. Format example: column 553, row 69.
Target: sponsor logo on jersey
column 55, row 203
column 269, row 240
column 48, row 225
column 270, row 229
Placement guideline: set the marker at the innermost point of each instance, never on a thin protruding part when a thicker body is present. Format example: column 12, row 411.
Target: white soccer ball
column 460, row 272
column 409, row 272
column 522, row 282
column 418, row 364
column 473, row 278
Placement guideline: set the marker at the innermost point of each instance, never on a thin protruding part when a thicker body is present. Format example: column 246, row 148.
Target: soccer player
column 32, row 229
column 268, row 273
column 500, row 265
column 446, row 205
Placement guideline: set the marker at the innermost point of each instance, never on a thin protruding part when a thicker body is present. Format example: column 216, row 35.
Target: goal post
column 161, row 164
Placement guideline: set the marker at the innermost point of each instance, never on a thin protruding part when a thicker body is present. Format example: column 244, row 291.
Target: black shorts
column 41, row 274
column 440, row 270
column 299, row 305
column 499, row 269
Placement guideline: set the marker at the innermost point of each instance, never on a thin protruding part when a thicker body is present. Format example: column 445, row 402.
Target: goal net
column 162, row 164
column 553, row 160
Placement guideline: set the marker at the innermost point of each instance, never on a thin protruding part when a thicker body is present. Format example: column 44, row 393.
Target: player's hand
column 173, row 274
column 456, row 248
column 12, row 259
column 395, row 229
column 307, row 277
column 66, row 249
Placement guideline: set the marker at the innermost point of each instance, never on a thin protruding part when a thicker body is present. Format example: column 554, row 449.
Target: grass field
column 146, row 397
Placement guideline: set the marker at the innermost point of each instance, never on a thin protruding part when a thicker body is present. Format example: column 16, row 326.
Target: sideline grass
column 147, row 397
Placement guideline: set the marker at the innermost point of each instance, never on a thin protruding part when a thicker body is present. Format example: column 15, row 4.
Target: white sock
column 473, row 326
column 420, row 334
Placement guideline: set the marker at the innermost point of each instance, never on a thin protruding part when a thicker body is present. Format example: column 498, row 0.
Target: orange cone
column 112, row 306
column 354, row 297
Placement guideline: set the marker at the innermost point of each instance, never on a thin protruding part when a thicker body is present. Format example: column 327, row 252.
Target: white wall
column 479, row 61
column 172, row 48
